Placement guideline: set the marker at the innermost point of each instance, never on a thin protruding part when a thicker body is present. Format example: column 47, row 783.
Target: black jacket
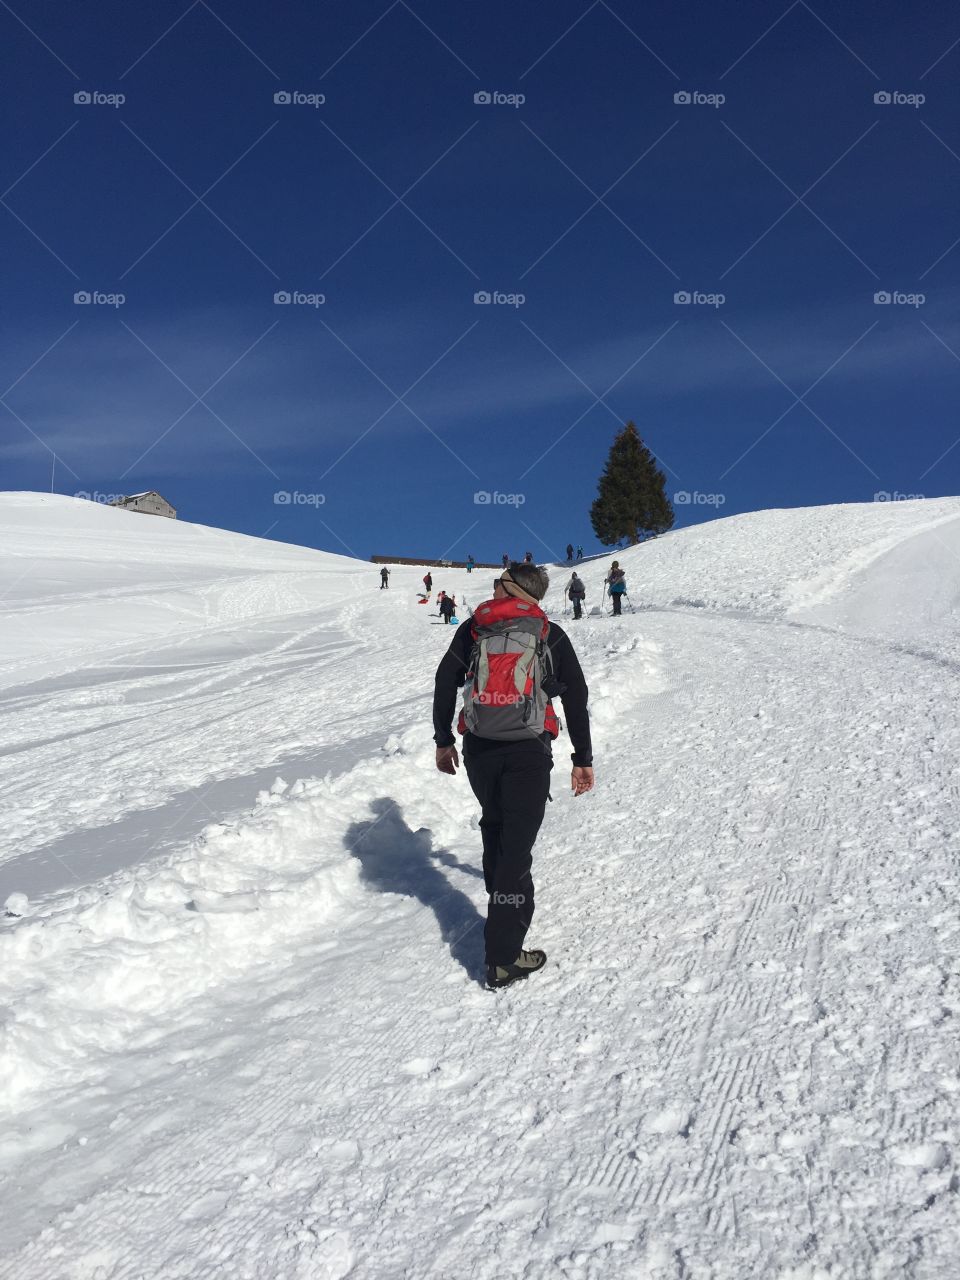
column 567, row 671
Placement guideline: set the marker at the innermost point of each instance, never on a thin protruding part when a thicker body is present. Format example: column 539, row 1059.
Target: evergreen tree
column 632, row 503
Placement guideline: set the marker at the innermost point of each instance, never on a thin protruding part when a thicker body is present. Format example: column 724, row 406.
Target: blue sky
column 386, row 408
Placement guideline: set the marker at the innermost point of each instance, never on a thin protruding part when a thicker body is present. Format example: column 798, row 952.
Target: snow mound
column 770, row 564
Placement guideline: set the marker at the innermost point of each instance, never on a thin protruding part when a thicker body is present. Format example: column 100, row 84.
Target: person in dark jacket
column 448, row 607
column 511, row 780
column 569, row 553
column 384, row 579
column 576, row 591
column 428, row 582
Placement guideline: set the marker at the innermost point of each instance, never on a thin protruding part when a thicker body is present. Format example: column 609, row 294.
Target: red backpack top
column 503, row 694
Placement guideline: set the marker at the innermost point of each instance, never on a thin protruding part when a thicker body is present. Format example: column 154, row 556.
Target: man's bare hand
column 581, row 780
column 447, row 759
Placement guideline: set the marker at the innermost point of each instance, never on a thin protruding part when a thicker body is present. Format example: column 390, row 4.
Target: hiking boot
column 527, row 962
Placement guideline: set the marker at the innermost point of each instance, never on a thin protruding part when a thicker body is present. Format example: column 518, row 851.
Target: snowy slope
column 770, row 563
column 155, row 669
column 258, row 1047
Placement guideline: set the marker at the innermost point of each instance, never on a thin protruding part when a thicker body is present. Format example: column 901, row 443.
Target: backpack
column 576, row 588
column 503, row 695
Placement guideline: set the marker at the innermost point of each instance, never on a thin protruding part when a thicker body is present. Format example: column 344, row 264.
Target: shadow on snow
column 396, row 859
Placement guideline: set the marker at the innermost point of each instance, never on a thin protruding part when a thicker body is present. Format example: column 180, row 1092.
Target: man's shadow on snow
column 396, row 859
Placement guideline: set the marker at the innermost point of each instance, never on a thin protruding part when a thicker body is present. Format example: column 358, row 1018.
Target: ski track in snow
column 268, row 1053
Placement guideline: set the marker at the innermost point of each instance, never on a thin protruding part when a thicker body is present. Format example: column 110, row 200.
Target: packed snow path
column 270, row 1055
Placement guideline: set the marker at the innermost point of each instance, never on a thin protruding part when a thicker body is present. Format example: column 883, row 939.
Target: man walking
column 576, row 591
column 384, row 579
column 511, row 661
column 569, row 553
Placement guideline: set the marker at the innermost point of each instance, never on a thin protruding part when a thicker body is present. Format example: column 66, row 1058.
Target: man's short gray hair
column 531, row 578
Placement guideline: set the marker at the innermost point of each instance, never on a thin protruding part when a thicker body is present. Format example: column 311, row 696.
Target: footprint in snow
column 702, row 984
column 292, row 1142
column 670, row 1120
column 323, row 1253
column 209, row 1206
column 342, row 1154
column 454, row 1076
column 924, row 1155
column 418, row 1067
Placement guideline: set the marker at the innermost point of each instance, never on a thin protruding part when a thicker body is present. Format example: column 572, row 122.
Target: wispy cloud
column 100, row 398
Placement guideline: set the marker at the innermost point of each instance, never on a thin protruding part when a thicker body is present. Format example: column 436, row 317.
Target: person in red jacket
column 511, row 778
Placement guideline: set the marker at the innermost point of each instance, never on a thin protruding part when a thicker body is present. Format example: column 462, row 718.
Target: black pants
column 577, row 606
column 512, row 784
column 617, row 598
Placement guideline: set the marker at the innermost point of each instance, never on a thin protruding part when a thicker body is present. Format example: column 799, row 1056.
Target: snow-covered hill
column 242, row 1033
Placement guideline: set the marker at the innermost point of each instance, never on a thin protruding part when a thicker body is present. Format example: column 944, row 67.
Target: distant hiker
column 470, row 563
column 448, row 607
column 384, row 579
column 579, row 553
column 528, row 558
column 428, row 581
column 569, row 553
column 576, row 592
column 506, row 560
column 616, row 581
column 510, row 645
